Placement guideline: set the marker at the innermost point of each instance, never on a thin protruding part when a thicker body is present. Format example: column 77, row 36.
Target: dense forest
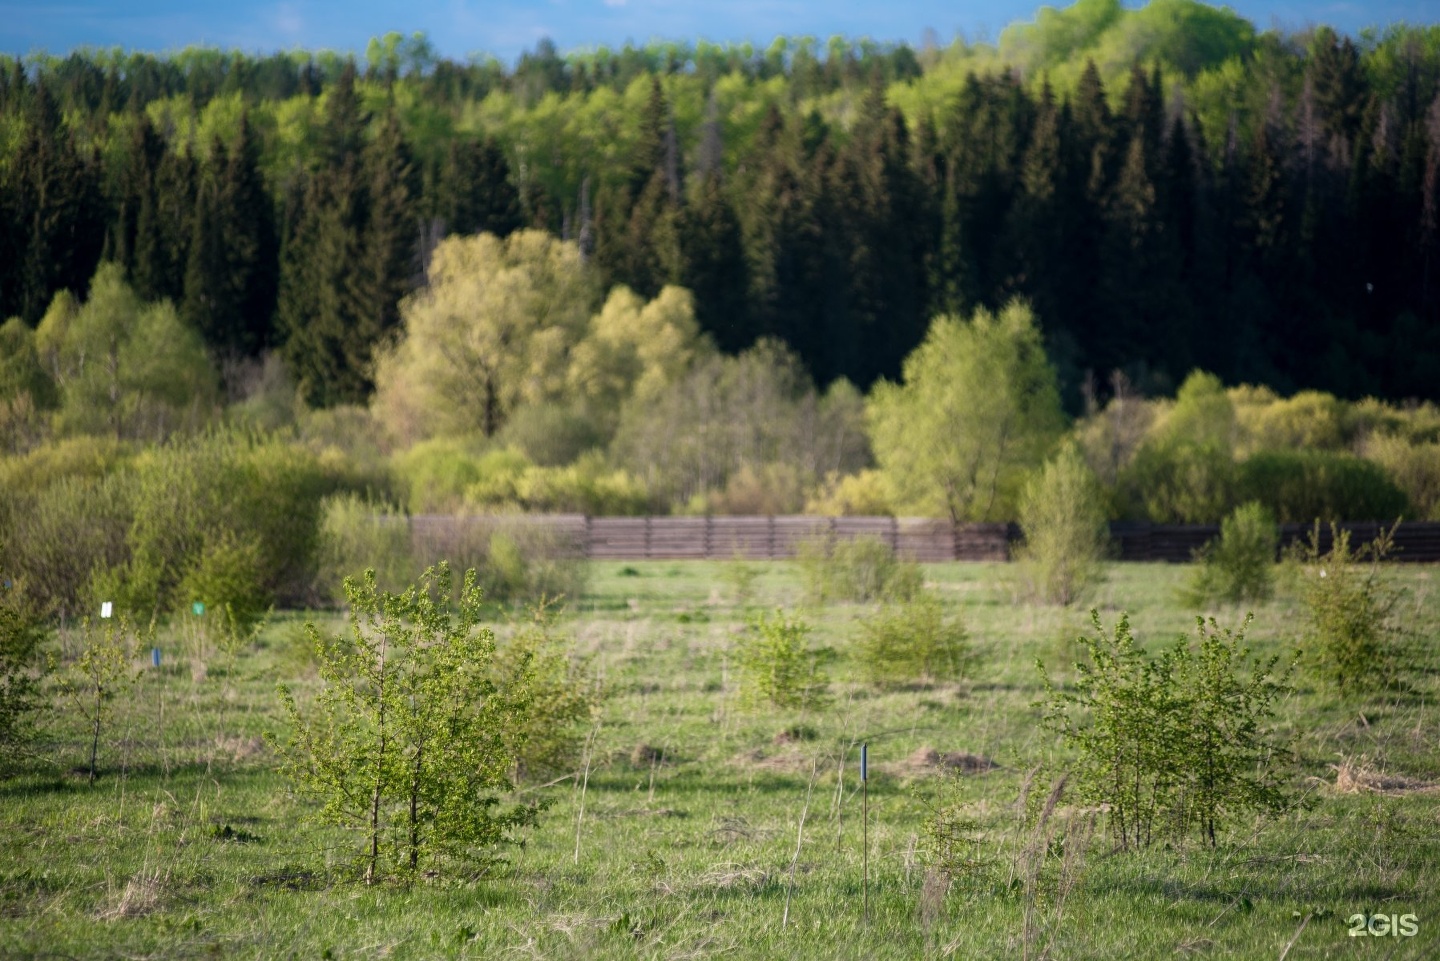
column 1167, row 187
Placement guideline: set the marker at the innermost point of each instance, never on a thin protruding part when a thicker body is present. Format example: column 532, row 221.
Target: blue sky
column 506, row 27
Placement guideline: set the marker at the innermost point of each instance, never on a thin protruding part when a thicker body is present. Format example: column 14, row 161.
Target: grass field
column 190, row 845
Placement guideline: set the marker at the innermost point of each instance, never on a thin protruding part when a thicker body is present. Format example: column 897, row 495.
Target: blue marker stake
column 198, row 608
column 155, row 656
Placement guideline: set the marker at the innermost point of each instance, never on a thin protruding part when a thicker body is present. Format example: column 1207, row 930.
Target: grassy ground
column 189, row 845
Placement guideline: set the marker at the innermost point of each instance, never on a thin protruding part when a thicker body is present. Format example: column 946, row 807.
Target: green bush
column 856, row 569
column 1415, row 469
column 193, row 494
column 64, row 539
column 562, row 697
column 1351, row 635
column 228, row 578
column 356, row 533
column 1301, row 486
column 20, row 638
column 551, row 435
column 411, row 738
column 1175, row 743
column 1062, row 513
column 1178, row 482
column 912, row 640
column 526, row 562
column 1239, row 565
column 778, row 665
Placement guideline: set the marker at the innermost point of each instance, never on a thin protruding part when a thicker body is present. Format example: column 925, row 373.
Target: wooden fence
column 777, row 538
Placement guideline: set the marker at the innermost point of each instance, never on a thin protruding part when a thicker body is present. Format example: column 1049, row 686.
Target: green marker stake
column 197, row 608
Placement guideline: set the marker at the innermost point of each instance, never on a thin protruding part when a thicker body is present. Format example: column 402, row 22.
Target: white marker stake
column 106, row 609
column 865, row 822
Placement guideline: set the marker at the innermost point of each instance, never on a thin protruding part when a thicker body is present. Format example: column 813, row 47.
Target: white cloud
column 288, row 21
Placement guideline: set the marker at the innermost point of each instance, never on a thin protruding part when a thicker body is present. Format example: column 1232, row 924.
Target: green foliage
column 563, row 698
column 228, row 578
column 196, row 495
column 1062, row 514
column 65, row 536
column 101, row 674
column 1301, row 486
column 913, row 640
column 758, row 411
column 1414, row 467
column 1173, row 743
column 979, row 408
column 779, row 667
column 20, row 638
column 1351, row 634
column 410, row 741
column 357, row 533
column 530, row 563
column 1179, row 482
column 1239, row 565
column 855, row 569
column 122, row 366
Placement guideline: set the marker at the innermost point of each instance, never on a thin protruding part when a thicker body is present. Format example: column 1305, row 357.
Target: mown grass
column 189, row 845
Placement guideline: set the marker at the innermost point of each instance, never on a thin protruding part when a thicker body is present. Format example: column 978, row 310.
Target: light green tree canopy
column 123, row 366
column 492, row 330
column 978, row 408
column 506, row 325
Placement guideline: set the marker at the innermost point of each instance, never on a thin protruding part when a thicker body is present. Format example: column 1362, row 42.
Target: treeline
column 1187, row 193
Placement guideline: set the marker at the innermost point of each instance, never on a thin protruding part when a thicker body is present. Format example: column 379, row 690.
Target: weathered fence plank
column 780, row 537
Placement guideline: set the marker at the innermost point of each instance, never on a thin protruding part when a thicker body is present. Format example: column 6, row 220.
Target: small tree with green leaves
column 1062, row 513
column 101, row 673
column 1171, row 743
column 1349, row 598
column 1239, row 565
column 1230, row 759
column 778, row 665
column 410, row 740
column 913, row 640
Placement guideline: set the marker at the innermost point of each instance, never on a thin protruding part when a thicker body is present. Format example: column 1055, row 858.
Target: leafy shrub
column 528, row 563
column 356, row 533
column 863, row 494
column 1415, row 469
column 436, row 474
column 1063, row 516
column 562, row 698
column 1349, row 600
column 1175, row 743
column 551, row 435
column 20, row 638
column 1239, row 565
column 64, row 539
column 856, row 569
column 587, row 486
column 778, row 665
column 1178, row 482
column 84, row 456
column 913, row 640
column 411, row 737
column 1299, row 486
column 193, row 494
column 229, row 578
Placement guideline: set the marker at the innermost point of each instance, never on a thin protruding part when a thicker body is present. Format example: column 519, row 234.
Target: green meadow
column 695, row 827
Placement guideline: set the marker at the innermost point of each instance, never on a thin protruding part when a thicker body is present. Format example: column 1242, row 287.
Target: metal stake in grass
column 865, row 826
